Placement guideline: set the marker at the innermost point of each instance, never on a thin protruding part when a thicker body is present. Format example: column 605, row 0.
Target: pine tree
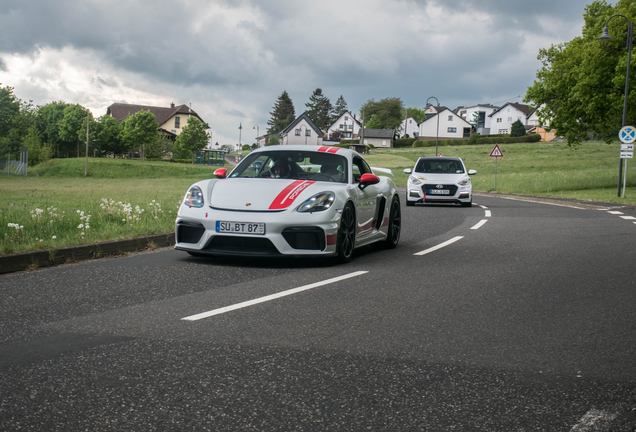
column 319, row 109
column 339, row 109
column 282, row 111
column 517, row 129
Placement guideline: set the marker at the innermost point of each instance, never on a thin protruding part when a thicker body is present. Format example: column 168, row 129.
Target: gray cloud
column 232, row 59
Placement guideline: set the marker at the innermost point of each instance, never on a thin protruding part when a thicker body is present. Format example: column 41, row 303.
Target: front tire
column 467, row 204
column 395, row 224
column 346, row 234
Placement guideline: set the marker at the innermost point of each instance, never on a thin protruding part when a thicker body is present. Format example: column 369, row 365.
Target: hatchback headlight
column 414, row 180
column 464, row 182
column 194, row 197
column 318, row 202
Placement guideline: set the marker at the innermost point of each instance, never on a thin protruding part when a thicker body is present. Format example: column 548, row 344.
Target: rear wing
column 383, row 170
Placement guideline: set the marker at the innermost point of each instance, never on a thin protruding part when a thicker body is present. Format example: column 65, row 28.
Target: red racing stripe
column 328, row 149
column 289, row 194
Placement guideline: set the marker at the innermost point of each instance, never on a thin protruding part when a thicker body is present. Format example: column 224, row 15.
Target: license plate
column 240, row 227
column 439, row 192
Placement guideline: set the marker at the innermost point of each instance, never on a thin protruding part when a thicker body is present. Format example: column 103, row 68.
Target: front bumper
column 286, row 233
column 456, row 193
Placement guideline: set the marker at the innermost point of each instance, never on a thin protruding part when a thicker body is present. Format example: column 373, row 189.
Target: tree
column 319, row 109
column 160, row 147
column 73, row 125
column 418, row 115
column 193, row 137
column 33, row 141
column 9, row 108
column 581, row 86
column 389, row 113
column 339, row 109
column 273, row 140
column 49, row 118
column 139, row 129
column 108, row 136
column 335, row 135
column 517, row 129
column 281, row 114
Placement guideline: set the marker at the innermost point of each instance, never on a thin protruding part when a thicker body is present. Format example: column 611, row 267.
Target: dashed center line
column 488, row 213
column 480, row 224
column 439, row 246
column 628, row 217
column 614, row 212
column 270, row 297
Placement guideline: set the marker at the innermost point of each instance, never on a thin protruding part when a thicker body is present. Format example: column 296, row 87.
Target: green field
column 50, row 207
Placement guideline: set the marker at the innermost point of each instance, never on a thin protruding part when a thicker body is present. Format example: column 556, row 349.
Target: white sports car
column 291, row 200
column 440, row 180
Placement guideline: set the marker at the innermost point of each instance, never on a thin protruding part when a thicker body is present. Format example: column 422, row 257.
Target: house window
column 341, row 126
column 509, row 119
column 499, row 120
column 176, row 121
column 452, row 130
column 351, row 127
column 173, row 131
column 297, row 132
column 346, row 117
column 450, row 118
column 503, row 131
column 307, row 132
column 383, row 142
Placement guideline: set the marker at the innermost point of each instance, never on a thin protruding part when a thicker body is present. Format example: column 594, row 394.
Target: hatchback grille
column 189, row 232
column 451, row 188
column 241, row 245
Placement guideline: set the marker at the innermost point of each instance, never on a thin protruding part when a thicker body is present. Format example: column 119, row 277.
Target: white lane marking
column 270, row 297
column 487, row 213
column 480, row 224
column 628, row 217
column 615, row 212
column 439, row 246
column 483, row 206
column 541, row 202
column 594, row 420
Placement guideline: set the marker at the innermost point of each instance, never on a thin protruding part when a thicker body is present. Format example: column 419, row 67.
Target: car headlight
column 318, row 202
column 194, row 197
column 414, row 180
column 464, row 182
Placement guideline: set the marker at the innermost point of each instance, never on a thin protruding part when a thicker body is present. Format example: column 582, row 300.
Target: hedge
column 493, row 140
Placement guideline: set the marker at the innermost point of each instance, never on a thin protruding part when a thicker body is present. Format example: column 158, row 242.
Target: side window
column 359, row 167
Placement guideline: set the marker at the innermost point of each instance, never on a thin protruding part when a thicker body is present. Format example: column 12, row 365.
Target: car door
column 365, row 199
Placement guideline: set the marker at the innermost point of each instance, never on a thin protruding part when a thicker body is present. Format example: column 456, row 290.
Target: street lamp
column 257, row 133
column 436, row 136
column 605, row 37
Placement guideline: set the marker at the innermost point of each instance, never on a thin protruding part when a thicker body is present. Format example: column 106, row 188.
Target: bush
column 404, row 142
column 510, row 140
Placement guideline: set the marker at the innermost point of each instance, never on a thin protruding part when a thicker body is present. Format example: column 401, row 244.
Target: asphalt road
column 526, row 321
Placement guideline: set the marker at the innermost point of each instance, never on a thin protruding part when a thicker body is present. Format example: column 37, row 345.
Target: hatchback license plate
column 240, row 227
column 439, row 192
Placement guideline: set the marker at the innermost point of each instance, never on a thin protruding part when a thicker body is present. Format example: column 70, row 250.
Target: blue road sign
column 627, row 135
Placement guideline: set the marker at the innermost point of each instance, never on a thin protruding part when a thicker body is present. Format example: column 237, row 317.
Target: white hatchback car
column 439, row 179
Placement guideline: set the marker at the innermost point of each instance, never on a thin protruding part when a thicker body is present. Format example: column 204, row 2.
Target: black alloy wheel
column 346, row 234
column 395, row 224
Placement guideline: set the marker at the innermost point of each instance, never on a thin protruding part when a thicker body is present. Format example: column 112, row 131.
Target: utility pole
column 86, row 161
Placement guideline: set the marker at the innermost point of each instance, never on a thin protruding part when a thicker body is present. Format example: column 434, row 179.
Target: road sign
column 496, row 152
column 627, row 155
column 627, row 147
column 627, row 135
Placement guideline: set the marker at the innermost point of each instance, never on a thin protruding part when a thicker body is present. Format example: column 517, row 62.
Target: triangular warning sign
column 496, row 152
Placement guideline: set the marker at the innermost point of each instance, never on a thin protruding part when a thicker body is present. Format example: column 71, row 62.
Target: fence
column 15, row 167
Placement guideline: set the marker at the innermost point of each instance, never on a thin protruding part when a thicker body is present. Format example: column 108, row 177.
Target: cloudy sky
column 232, row 59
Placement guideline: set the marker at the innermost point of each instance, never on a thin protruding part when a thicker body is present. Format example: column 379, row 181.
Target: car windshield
column 441, row 166
column 296, row 165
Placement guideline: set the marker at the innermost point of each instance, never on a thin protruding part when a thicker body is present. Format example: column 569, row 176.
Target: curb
column 51, row 257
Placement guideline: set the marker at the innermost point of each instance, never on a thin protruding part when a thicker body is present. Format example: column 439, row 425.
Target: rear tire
column 346, row 234
column 395, row 224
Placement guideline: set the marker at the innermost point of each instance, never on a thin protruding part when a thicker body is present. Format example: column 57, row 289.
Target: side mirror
column 472, row 172
column 408, row 171
column 220, row 173
column 368, row 179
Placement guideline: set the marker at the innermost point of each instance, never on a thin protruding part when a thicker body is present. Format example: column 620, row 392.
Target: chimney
column 172, row 105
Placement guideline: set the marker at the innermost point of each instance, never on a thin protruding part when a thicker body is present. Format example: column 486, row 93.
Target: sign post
column 627, row 135
column 496, row 153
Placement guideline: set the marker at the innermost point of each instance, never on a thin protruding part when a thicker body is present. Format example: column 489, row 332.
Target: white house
column 410, row 127
column 347, row 125
column 302, row 131
column 503, row 118
column 443, row 123
column 382, row 138
column 478, row 116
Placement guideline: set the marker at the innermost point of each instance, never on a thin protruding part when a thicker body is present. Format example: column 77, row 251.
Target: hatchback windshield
column 441, row 166
column 297, row 165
